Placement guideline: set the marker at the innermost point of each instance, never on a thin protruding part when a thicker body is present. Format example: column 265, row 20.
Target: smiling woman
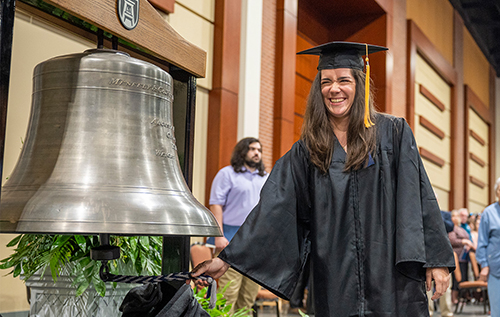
column 338, row 88
column 352, row 196
column 336, row 103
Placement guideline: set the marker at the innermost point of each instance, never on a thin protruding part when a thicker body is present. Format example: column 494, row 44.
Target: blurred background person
column 445, row 300
column 464, row 217
column 488, row 251
column 461, row 244
column 473, row 223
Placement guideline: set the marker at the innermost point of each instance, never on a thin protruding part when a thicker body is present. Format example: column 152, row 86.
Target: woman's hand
column 441, row 277
column 468, row 244
column 483, row 276
column 215, row 268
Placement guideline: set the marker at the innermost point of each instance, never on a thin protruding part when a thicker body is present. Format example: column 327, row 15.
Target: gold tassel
column 368, row 121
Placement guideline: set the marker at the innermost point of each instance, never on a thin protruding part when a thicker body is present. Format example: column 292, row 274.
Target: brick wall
column 267, row 80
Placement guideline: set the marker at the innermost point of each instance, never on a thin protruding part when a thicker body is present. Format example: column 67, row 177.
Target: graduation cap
column 346, row 55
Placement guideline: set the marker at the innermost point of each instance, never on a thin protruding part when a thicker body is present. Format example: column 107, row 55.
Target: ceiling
column 482, row 19
column 334, row 12
column 337, row 20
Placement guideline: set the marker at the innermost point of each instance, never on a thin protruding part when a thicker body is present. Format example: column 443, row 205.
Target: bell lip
column 23, row 227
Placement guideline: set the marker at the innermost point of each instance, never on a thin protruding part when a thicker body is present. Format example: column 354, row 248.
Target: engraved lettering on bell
column 163, row 154
column 171, row 136
column 131, row 84
column 159, row 123
column 128, row 12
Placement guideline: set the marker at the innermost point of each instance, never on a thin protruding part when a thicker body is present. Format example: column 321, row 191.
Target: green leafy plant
column 221, row 307
column 37, row 253
column 303, row 314
column 71, row 253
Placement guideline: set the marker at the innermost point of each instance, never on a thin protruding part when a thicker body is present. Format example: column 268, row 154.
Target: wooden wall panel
column 297, row 127
column 376, row 33
column 492, row 136
column 166, row 6
column 432, row 105
column 302, row 87
column 478, row 152
column 435, row 19
column 310, row 25
column 476, row 68
column 306, row 65
column 431, row 79
column 431, row 127
column 396, row 60
column 199, row 31
column 268, row 74
column 286, row 36
column 305, row 73
column 205, row 8
column 458, row 139
column 223, row 98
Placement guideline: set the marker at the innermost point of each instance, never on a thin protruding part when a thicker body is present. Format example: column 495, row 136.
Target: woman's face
column 455, row 217
column 338, row 88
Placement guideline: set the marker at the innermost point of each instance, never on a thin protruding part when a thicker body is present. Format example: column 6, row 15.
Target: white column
column 250, row 59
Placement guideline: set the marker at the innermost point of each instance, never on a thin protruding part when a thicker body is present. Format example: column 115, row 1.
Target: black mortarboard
column 347, row 55
column 342, row 54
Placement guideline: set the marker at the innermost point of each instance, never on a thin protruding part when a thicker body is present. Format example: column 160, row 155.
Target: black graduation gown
column 370, row 233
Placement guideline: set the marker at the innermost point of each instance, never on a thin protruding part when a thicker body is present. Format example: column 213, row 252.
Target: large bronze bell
column 100, row 153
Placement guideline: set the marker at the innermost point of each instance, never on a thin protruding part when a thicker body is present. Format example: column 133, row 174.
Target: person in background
column 461, row 244
column 448, row 223
column 465, row 259
column 473, row 223
column 353, row 196
column 445, row 300
column 464, row 217
column 234, row 193
column 488, row 251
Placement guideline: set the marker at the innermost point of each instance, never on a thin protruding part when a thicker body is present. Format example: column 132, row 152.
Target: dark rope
column 106, row 276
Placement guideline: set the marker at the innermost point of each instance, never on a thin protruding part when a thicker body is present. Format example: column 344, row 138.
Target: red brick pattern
column 267, row 80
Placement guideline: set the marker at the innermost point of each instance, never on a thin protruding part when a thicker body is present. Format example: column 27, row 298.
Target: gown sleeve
column 272, row 245
column 421, row 239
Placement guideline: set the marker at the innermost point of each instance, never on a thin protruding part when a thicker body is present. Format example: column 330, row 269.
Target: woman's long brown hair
column 317, row 130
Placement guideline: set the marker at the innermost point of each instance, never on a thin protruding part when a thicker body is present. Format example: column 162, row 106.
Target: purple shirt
column 237, row 193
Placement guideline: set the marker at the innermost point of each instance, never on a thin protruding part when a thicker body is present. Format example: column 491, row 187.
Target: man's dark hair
column 240, row 153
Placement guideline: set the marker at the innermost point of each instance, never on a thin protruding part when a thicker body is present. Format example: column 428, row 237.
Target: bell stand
column 175, row 255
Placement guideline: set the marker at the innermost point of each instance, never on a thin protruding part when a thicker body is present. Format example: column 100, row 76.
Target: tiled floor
column 468, row 311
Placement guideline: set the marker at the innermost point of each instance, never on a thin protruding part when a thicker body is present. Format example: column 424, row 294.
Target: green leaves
column 14, row 241
column 303, row 314
column 221, row 308
column 33, row 253
column 139, row 256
